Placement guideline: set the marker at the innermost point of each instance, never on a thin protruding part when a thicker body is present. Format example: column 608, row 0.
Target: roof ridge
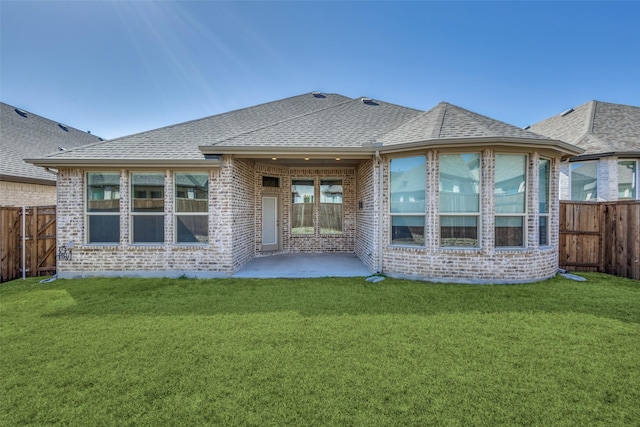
column 592, row 117
column 437, row 130
column 284, row 121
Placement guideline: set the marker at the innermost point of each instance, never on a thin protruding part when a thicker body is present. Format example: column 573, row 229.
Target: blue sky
column 121, row 67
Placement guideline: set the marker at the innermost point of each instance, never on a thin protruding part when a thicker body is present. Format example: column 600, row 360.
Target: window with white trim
column 627, row 180
column 147, row 207
column 103, row 207
column 330, row 206
column 459, row 198
column 302, row 206
column 584, row 181
column 191, row 207
column 510, row 195
column 407, row 188
column 544, row 175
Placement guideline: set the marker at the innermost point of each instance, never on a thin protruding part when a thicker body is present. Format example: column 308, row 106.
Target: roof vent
column 526, row 127
column 317, row 95
column 565, row 112
column 61, row 148
column 21, row 112
column 64, row 127
column 369, row 101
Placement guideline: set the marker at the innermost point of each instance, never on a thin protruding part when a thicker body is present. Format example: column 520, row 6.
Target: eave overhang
column 27, row 180
column 209, row 161
column 264, row 152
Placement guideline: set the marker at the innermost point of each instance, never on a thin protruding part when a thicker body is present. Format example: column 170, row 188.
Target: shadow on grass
column 601, row 296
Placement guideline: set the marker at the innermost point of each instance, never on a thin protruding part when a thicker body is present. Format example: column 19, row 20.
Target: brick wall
column 167, row 259
column 22, row 194
column 367, row 214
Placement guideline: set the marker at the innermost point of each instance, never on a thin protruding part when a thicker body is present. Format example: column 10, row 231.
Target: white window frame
column 313, row 204
column 320, row 203
column 571, row 164
column 548, row 203
column 133, row 214
column 178, row 214
column 636, row 177
column 477, row 215
column 422, row 215
column 88, row 215
column 522, row 215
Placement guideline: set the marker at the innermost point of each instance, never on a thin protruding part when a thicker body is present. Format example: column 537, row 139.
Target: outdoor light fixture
column 306, row 158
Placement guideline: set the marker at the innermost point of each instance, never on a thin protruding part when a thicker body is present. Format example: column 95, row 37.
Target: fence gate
column 40, row 242
column 601, row 237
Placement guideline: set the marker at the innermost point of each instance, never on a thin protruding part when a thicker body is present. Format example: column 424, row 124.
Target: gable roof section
column 600, row 128
column 354, row 123
column 324, row 124
column 447, row 121
column 26, row 135
column 180, row 142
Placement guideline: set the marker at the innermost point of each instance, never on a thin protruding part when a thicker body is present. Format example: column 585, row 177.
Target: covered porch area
column 301, row 265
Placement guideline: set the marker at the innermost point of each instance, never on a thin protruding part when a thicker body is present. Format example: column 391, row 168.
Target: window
column 408, row 194
column 330, row 206
column 147, row 207
column 459, row 188
column 510, row 199
column 544, row 173
column 627, row 179
column 103, row 207
column 192, row 208
column 302, row 206
column 584, row 180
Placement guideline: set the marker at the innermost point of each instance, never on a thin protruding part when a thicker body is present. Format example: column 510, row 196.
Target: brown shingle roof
column 597, row 127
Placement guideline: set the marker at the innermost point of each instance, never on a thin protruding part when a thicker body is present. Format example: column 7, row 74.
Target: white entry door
column 270, row 230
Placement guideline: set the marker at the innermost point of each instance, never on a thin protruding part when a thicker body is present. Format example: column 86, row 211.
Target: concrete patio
column 304, row 265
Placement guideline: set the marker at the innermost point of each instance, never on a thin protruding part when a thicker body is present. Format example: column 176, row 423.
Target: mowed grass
column 319, row 352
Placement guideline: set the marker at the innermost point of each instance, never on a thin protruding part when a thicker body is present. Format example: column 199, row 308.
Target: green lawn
column 318, row 352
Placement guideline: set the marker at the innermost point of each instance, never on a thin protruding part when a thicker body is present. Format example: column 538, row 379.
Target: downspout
column 380, row 208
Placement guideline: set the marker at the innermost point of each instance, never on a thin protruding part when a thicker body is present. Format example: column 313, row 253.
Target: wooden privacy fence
column 601, row 237
column 40, row 242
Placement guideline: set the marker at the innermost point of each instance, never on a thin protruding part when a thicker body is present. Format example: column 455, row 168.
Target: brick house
column 24, row 134
column 610, row 136
column 445, row 194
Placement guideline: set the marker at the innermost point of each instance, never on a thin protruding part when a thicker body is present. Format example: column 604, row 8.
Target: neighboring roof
column 27, row 135
column 600, row 128
column 308, row 123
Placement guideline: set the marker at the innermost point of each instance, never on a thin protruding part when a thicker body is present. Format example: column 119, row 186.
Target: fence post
column 24, row 243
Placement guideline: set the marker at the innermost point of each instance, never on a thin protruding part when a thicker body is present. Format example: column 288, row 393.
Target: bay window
column 103, row 207
column 459, row 197
column 147, row 207
column 192, row 207
column 510, row 199
column 408, row 194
